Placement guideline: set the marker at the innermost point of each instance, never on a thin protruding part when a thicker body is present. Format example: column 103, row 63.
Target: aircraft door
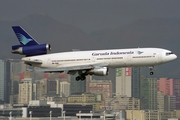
column 93, row 59
column 129, row 60
column 159, row 57
column 49, row 62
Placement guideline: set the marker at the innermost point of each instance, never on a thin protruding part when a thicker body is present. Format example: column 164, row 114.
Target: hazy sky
column 91, row 15
column 94, row 15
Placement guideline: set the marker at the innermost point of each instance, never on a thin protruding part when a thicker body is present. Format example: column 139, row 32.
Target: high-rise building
column 135, row 82
column 8, row 82
column 170, row 86
column 27, row 91
column 160, row 101
column 103, row 87
column 144, row 98
column 128, row 82
column 177, row 92
column 152, row 93
column 88, row 80
column 123, row 81
column 170, row 103
column 2, row 80
column 5, row 81
column 41, row 88
column 18, row 71
column 65, row 88
column 17, row 67
column 58, row 91
column 77, row 86
column 166, row 86
column 52, row 85
column 148, row 93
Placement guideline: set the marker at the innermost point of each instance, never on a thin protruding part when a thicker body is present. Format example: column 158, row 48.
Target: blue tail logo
column 23, row 39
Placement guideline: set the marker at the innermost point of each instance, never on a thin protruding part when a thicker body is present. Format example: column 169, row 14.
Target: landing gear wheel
column 78, row 78
column 151, row 73
column 83, row 78
column 82, row 75
column 151, row 70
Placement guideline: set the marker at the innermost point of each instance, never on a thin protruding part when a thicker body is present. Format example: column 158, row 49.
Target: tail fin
column 23, row 37
column 28, row 45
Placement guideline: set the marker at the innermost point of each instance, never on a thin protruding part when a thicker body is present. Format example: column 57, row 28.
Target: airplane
column 93, row 62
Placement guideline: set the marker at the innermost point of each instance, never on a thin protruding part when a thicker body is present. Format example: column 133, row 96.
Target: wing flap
column 66, row 69
column 32, row 62
column 72, row 68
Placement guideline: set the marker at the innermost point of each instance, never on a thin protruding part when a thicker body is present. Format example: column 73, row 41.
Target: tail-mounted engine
column 31, row 50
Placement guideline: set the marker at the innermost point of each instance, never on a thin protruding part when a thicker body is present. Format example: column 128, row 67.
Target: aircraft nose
column 170, row 58
column 174, row 56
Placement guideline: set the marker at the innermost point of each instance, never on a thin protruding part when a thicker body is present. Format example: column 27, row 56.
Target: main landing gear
column 151, row 70
column 81, row 77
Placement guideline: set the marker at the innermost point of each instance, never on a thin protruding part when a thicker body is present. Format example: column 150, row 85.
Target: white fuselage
column 135, row 57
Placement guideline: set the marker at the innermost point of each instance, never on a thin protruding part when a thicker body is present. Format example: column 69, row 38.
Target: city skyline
column 52, row 84
column 154, row 95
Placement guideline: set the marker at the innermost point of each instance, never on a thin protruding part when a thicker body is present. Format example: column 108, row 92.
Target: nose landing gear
column 151, row 70
column 151, row 73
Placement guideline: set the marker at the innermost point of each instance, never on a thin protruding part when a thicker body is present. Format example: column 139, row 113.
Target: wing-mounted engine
column 39, row 49
column 99, row 71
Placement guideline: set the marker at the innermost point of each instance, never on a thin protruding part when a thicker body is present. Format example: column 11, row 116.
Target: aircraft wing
column 73, row 68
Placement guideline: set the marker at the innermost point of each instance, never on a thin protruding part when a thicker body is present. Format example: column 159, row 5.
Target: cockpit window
column 168, row 53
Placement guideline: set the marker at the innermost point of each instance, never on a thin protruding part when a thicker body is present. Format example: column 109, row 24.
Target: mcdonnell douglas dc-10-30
column 94, row 62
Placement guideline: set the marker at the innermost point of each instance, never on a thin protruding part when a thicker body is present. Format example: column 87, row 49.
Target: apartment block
column 135, row 82
column 150, row 115
column 170, row 103
column 65, row 88
column 170, row 86
column 148, row 93
column 160, row 101
column 165, row 85
column 41, row 88
column 103, row 87
column 123, row 81
column 134, row 104
column 119, row 102
column 86, row 99
column 27, row 91
column 177, row 92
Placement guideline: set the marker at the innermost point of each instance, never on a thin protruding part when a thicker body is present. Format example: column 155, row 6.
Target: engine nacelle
column 31, row 50
column 99, row 71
